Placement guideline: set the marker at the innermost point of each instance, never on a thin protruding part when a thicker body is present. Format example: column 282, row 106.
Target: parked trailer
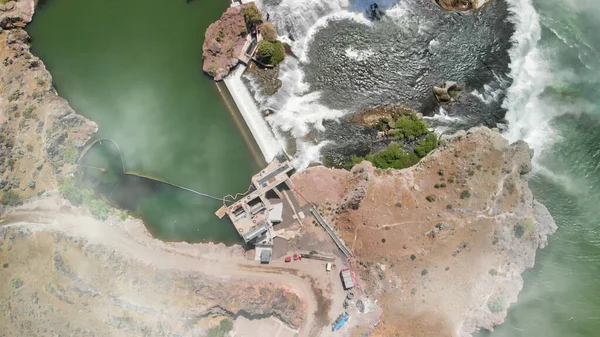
column 340, row 321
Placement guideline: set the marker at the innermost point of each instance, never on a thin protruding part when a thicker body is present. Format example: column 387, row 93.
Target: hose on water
column 223, row 199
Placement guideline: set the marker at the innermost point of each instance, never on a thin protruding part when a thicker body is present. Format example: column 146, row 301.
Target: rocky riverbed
column 442, row 244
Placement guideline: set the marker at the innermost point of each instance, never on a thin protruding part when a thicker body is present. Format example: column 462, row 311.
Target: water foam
column 528, row 116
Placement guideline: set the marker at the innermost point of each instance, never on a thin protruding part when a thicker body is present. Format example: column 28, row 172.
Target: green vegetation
column 271, row 52
column 70, row 154
column 268, row 32
column 449, row 206
column 431, row 198
column 466, row 194
column 222, row 330
column 411, row 127
column 405, row 127
column 413, row 257
column 493, row 272
column 10, row 198
column 424, row 272
column 28, row 113
column 76, row 195
column 398, row 204
column 252, row 15
column 16, row 282
column 427, row 145
column 524, row 228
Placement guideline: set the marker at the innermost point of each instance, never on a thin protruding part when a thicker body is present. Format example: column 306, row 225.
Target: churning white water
column 268, row 144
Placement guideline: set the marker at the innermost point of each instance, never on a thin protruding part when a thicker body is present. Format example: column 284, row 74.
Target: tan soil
column 472, row 260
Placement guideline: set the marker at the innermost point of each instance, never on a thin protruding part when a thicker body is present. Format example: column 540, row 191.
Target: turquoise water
column 561, row 296
column 135, row 68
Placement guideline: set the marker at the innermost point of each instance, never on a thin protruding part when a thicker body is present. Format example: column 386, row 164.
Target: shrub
column 413, row 257
column 411, row 126
column 398, row 204
column 69, row 189
column 28, row 113
column 70, row 154
column 16, row 282
column 451, row 180
column 10, row 198
column 436, row 186
column 449, row 206
column 265, row 50
column 471, row 172
column 268, row 32
column 443, row 185
column 493, row 272
column 279, row 53
column 383, row 240
column 99, row 208
column 393, row 157
column 466, row 194
column 441, row 172
column 430, row 198
column 424, row 272
column 252, row 15
column 427, row 145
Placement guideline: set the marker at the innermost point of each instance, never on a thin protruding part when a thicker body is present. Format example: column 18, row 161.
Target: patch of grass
column 16, row 282
column 466, row 194
column 427, row 145
column 10, row 198
column 393, row 157
column 70, row 154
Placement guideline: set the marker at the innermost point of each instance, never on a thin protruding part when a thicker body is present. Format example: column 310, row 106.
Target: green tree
column 393, row 157
column 265, row 50
column 268, row 32
column 252, row 15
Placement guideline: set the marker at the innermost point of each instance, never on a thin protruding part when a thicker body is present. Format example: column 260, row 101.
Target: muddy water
column 134, row 67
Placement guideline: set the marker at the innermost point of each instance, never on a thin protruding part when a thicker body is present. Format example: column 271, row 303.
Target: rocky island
column 439, row 247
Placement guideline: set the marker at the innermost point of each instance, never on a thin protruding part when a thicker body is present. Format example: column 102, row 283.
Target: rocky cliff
column 461, row 5
column 39, row 133
column 442, row 244
column 224, row 41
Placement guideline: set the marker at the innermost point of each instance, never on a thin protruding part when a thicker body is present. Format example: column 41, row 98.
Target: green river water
column 134, row 67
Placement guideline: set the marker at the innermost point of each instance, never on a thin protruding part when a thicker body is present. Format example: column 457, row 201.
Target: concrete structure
column 254, row 215
column 347, row 278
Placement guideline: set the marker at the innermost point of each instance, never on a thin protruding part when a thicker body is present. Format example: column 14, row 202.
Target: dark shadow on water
column 169, row 213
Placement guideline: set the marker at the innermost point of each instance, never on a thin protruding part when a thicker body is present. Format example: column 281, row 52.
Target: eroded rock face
column 447, row 93
column 223, row 42
column 442, row 244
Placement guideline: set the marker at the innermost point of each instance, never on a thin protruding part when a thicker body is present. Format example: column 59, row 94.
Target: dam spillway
column 258, row 126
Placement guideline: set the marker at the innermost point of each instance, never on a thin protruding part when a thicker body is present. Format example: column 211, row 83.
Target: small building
column 265, row 256
column 347, row 278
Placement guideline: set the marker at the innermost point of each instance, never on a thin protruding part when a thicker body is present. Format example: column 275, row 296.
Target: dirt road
column 321, row 292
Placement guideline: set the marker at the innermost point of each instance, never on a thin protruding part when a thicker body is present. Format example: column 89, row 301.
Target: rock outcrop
column 442, row 244
column 447, row 93
column 39, row 133
column 224, row 41
column 16, row 13
column 461, row 5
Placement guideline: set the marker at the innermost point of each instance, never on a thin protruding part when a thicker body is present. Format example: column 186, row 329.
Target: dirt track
column 319, row 291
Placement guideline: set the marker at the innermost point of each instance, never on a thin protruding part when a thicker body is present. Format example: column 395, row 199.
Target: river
column 134, row 67
column 531, row 67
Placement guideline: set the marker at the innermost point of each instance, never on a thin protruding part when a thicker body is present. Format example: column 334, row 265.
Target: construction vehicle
column 340, row 321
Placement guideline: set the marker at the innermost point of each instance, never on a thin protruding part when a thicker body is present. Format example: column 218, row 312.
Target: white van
column 328, row 266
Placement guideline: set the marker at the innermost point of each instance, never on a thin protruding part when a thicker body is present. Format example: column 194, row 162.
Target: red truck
column 288, row 259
